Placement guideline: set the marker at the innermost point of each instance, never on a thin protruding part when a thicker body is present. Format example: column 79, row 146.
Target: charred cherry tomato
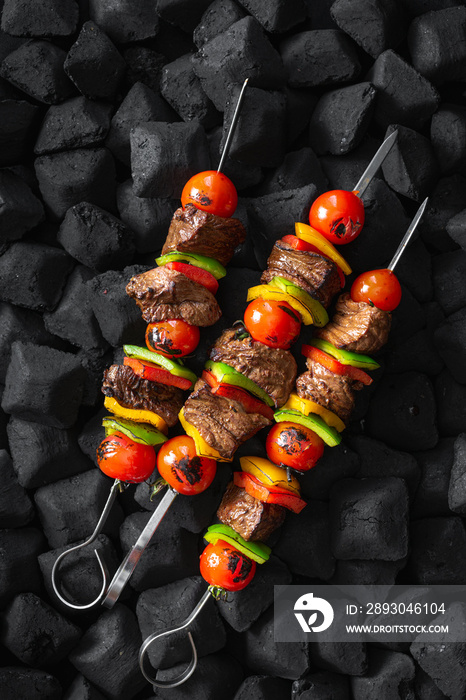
column 172, row 338
column 197, row 274
column 224, row 566
column 124, row 459
column 299, row 244
column 338, row 215
column 293, row 445
column 211, row 191
column 180, row 466
column 378, row 287
column 273, row 323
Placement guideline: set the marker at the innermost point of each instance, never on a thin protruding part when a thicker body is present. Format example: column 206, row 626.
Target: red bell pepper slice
column 299, row 244
column 197, row 274
column 334, row 366
column 154, row 373
column 268, row 494
column 249, row 402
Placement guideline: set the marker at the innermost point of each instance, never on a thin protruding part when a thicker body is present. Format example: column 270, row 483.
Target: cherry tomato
column 172, row 338
column 294, row 446
column 124, row 459
column 197, row 274
column 211, row 191
column 338, row 215
column 273, row 323
column 180, row 466
column 223, row 565
column 379, row 287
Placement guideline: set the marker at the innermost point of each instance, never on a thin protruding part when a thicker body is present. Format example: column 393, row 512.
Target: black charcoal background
column 105, row 110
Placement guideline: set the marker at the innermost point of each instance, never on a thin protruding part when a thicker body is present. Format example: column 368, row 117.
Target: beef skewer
column 229, row 560
column 145, row 398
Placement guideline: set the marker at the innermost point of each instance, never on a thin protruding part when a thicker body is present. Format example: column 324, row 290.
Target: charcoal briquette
column 20, row 682
column 390, row 676
column 92, row 434
column 219, row 15
column 297, row 169
column 36, row 633
column 277, row 16
column 141, row 104
column 416, row 353
column 450, row 339
column 73, row 318
column 94, row 64
column 447, row 199
column 43, row 385
column 79, row 575
column 148, row 218
column 164, row 156
column 36, row 68
column 443, row 661
column 94, row 364
column 242, row 51
column 273, row 215
column 377, row 459
column 456, row 228
column 367, row 572
column 118, row 316
column 402, row 412
column 375, row 25
column 20, row 572
column 159, row 609
column 410, row 168
column 341, row 118
column 18, row 119
column 319, row 57
column 193, row 513
column 69, row 509
column 125, row 21
column 21, row 211
column 437, row 44
column 16, row 508
column 242, row 608
column 216, row 676
column 450, row 396
column 81, row 689
column 144, row 65
column 335, row 464
column 299, row 106
column 425, row 687
column 420, row 7
column 369, row 518
column 42, row 454
column 436, row 468
column 52, row 18
column 438, row 547
column 71, row 177
column 414, row 270
column 448, row 136
column 457, row 482
column 170, row 555
column 76, row 123
column 449, row 270
column 312, row 556
column 263, row 688
column 182, row 89
column 182, row 13
column 107, row 654
column 348, row 658
column 243, row 175
column 321, row 685
column 345, row 171
column 266, row 656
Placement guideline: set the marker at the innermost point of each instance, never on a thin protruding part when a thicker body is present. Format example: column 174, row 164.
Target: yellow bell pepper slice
column 203, row 449
column 312, row 236
column 268, row 292
column 306, row 406
column 139, row 416
column 269, row 473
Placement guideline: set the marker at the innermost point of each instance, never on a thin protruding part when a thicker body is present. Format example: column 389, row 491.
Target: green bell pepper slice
column 146, row 355
column 257, row 551
column 210, row 264
column 138, row 432
column 228, row 375
column 329, row 435
column 346, row 357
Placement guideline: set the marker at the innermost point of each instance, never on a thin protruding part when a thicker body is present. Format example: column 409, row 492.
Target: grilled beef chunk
column 250, row 518
column 195, row 231
column 161, row 294
column 222, row 422
column 273, row 369
column 356, row 326
column 314, row 273
column 333, row 391
column 131, row 391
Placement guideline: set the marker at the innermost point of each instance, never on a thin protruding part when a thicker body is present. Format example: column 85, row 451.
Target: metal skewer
column 407, row 237
column 383, row 151
column 232, row 128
